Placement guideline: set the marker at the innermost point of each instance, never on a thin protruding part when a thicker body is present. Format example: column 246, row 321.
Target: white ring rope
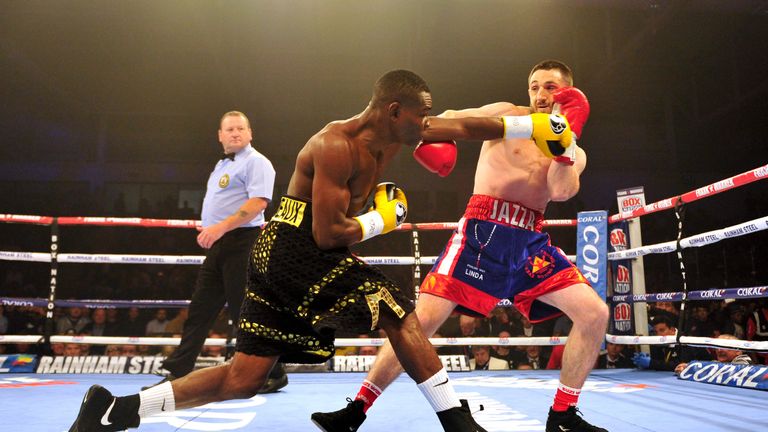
column 697, row 240
column 460, row 341
column 183, row 259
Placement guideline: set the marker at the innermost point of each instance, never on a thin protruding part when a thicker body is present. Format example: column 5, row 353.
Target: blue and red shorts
column 499, row 252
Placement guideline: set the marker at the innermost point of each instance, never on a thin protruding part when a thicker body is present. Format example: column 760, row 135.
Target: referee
column 239, row 189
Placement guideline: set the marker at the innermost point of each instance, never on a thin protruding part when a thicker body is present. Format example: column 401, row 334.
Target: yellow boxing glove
column 389, row 211
column 551, row 132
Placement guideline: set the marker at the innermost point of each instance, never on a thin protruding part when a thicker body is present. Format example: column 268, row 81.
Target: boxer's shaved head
column 399, row 86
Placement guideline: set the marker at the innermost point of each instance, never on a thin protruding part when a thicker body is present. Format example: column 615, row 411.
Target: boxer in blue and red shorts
column 499, row 252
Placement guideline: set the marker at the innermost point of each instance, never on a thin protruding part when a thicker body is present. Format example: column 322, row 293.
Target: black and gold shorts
column 299, row 295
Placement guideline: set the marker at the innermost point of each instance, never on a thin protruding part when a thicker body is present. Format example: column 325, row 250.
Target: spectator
column 532, row 330
column 99, row 325
column 113, row 351
column 664, row 357
column 214, row 350
column 614, row 358
column 113, row 318
column 129, row 350
column 736, row 321
column 724, row 355
column 500, row 321
column 73, row 320
column 26, row 320
column 156, row 326
column 72, row 350
column 700, row 324
column 482, row 359
column 368, row 350
column 176, row 325
column 57, row 349
column 534, row 357
column 664, row 308
column 134, row 324
column 735, row 356
column 506, row 352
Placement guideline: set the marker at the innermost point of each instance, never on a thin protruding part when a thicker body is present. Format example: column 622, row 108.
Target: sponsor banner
column 621, row 315
column 727, row 374
column 94, row 304
column 622, row 278
column 622, row 310
column 17, row 363
column 724, row 293
column 112, row 364
column 100, row 365
column 355, row 363
column 152, row 364
column 630, row 199
column 592, row 245
column 622, row 320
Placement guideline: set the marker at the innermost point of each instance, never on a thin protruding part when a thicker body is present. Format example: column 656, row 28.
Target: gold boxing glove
column 389, row 211
column 551, row 132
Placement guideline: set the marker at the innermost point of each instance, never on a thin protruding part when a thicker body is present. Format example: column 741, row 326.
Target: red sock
column 565, row 397
column 368, row 394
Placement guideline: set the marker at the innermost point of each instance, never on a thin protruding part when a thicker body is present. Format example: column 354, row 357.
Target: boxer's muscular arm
column 334, row 162
column 467, row 128
column 563, row 179
column 482, row 123
column 490, row 110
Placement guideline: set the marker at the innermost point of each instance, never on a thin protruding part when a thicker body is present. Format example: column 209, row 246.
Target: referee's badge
column 224, row 181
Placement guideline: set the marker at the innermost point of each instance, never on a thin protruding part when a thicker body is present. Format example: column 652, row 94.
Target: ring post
column 49, row 324
column 416, row 265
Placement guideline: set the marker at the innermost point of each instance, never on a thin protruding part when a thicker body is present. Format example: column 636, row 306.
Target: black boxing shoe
column 346, row 419
column 459, row 419
column 569, row 421
column 99, row 413
column 276, row 380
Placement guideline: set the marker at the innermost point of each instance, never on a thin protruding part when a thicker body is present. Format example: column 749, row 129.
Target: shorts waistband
column 294, row 211
column 488, row 208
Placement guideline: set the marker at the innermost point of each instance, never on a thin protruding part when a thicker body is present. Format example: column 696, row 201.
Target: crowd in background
column 732, row 263
column 708, row 319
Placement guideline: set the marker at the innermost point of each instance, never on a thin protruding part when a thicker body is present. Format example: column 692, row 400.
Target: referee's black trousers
column 221, row 279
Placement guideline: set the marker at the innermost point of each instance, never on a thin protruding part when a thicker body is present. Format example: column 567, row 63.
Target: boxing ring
column 621, row 400
column 43, row 394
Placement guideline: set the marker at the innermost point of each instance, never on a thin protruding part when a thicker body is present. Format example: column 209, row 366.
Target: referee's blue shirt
column 232, row 183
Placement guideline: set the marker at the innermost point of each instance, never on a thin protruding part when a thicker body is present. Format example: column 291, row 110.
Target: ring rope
column 759, row 173
column 710, row 294
column 733, row 182
column 186, row 259
column 758, row 346
column 709, row 237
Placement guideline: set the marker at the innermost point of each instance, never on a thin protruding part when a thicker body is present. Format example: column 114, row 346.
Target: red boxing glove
column 436, row 156
column 573, row 104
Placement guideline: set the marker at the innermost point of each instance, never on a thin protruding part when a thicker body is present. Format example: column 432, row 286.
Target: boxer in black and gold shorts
column 298, row 294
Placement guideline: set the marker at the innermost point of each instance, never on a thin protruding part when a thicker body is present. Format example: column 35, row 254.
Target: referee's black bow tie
column 230, row 156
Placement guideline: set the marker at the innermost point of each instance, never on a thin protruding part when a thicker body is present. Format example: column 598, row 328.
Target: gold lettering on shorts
column 291, row 211
column 373, row 304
